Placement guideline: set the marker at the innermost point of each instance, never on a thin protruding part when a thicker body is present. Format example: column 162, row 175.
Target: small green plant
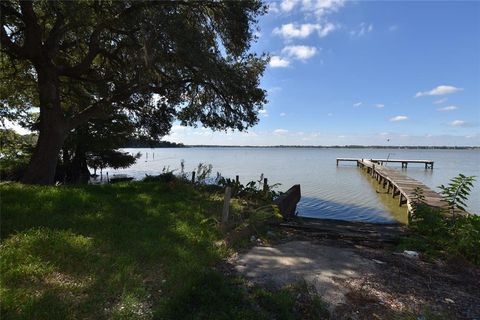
column 437, row 234
column 418, row 200
column 456, row 193
column 203, row 172
column 166, row 176
column 252, row 190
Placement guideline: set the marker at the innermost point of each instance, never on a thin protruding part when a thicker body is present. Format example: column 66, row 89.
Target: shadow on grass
column 98, row 251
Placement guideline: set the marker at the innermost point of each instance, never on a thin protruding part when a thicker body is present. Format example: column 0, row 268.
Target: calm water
column 328, row 191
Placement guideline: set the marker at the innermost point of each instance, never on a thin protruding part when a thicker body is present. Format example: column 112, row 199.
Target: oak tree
column 153, row 61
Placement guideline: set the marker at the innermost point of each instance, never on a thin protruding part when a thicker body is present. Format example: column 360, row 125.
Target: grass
column 125, row 251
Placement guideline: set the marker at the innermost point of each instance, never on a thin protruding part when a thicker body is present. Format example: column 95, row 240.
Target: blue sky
column 365, row 72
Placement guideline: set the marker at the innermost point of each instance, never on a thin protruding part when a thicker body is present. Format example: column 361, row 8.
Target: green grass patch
column 142, row 250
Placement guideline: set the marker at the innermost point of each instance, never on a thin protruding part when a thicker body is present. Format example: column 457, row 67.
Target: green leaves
column 435, row 233
column 457, row 191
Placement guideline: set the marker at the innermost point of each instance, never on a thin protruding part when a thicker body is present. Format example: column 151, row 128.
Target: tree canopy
column 152, row 61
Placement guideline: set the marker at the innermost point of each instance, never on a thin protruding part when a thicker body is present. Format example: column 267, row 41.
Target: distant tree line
column 142, row 143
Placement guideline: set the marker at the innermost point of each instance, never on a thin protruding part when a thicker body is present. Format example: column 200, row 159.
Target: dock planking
column 400, row 185
column 428, row 163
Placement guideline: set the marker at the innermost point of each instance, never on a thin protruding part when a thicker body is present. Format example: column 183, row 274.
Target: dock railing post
column 226, row 205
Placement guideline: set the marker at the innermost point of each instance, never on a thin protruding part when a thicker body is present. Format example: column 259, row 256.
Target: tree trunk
column 53, row 129
column 41, row 169
column 79, row 168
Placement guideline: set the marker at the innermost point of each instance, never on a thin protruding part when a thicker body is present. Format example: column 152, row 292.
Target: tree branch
column 52, row 43
column 97, row 109
column 12, row 47
column 33, row 35
column 93, row 50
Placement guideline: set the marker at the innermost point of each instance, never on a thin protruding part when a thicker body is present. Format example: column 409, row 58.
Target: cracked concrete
column 320, row 266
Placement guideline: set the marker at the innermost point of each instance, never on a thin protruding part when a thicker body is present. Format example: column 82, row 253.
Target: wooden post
column 226, row 205
column 265, row 185
column 193, row 176
column 237, row 179
column 108, row 180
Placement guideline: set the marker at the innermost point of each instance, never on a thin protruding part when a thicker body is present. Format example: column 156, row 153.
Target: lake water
column 328, row 191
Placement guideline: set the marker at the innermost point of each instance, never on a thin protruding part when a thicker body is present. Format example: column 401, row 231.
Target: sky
column 364, row 72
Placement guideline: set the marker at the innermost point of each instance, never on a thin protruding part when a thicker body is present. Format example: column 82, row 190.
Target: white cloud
column 329, row 114
column 288, row 5
column 293, row 30
column 321, row 8
column 283, row 114
column 263, row 112
column 280, row 132
column 379, row 105
column 440, row 101
column 273, row 7
column 457, row 123
column 463, row 124
column 362, row 29
column 399, row 118
column 326, row 29
column 448, row 108
column 279, row 62
column 438, row 91
column 393, row 28
column 300, row 52
column 358, row 104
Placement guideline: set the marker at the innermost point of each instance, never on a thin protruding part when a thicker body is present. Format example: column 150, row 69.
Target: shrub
column 436, row 231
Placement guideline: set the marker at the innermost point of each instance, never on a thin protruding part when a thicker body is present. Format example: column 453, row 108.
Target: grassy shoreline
column 134, row 250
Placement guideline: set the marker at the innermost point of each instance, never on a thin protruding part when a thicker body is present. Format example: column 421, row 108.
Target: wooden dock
column 400, row 185
column 428, row 163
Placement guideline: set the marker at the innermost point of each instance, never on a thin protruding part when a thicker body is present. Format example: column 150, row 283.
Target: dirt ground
column 364, row 282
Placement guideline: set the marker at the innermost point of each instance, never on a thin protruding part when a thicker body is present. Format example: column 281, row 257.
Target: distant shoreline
column 326, row 147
